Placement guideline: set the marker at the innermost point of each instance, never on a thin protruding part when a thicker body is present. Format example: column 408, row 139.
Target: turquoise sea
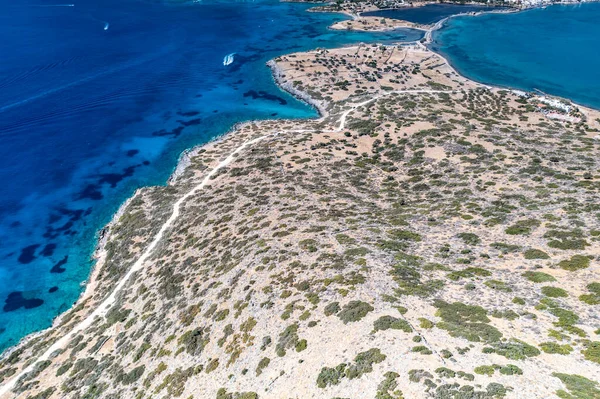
column 554, row 49
column 99, row 97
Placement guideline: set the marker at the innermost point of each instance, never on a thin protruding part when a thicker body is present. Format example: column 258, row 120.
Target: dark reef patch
column 15, row 300
column 132, row 153
column 113, row 179
column 162, row 132
column 263, row 95
column 191, row 122
column 28, row 254
column 92, row 192
column 53, row 289
column 48, row 250
column 74, row 214
column 188, row 113
column 58, row 267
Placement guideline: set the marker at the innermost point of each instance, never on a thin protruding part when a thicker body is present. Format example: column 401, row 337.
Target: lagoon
column 551, row 49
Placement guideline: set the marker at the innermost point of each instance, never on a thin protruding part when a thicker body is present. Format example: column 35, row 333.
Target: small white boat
column 228, row 60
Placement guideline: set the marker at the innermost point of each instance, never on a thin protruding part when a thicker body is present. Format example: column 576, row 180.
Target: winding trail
column 102, row 310
column 104, row 307
column 344, row 115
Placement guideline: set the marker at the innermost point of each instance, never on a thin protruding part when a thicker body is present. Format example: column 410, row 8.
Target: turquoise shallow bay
column 553, row 49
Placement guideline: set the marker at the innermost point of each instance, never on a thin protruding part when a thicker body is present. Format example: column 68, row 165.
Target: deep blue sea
column 427, row 14
column 556, row 50
column 100, row 97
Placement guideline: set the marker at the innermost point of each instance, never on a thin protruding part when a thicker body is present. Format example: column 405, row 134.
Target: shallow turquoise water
column 555, row 50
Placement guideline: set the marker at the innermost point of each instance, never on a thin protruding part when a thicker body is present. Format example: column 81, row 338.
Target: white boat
column 228, row 60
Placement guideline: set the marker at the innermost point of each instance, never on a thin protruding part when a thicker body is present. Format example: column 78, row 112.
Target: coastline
column 277, row 74
column 185, row 160
column 103, row 235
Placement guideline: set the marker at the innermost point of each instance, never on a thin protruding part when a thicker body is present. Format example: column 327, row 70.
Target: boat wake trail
column 83, row 80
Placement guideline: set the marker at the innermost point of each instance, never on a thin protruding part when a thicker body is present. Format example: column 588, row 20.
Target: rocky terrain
column 429, row 237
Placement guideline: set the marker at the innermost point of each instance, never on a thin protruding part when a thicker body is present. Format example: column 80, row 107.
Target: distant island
column 355, row 8
column 427, row 237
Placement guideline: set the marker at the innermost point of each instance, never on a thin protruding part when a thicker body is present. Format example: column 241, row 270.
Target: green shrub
column 404, row 235
column 301, row 345
column 424, row 323
column 511, row 369
column 470, row 238
column 469, row 272
column 223, row 394
column 332, row 308
column 518, row 301
column 421, row 349
column 592, row 351
column 445, row 372
column 132, row 376
column 554, row 292
column 522, row 227
column 354, row 311
column 387, row 388
column 363, row 364
column 388, row 322
column 345, row 240
column 505, row 248
column 331, row 376
column 538, row 277
column 485, row 370
column 287, row 339
column 553, row 347
column 594, row 297
column 535, row 254
column 465, row 321
column 498, row 285
column 577, row 262
column 194, row 341
column 579, row 387
column 566, row 240
column 262, row 364
column 515, row 349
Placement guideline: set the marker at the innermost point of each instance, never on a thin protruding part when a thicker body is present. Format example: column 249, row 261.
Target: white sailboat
column 228, row 60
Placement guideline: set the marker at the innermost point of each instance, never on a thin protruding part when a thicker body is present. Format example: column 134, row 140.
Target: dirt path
column 102, row 310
